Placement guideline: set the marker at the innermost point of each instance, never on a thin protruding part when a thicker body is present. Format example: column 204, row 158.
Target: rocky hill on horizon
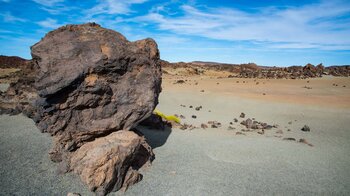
column 216, row 69
column 252, row 70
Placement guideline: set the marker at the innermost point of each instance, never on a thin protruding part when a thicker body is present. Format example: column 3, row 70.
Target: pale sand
column 213, row 161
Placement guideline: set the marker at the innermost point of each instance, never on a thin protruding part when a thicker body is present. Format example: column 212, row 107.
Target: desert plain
column 227, row 160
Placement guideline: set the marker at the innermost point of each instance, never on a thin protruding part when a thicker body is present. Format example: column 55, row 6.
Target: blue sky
column 267, row 32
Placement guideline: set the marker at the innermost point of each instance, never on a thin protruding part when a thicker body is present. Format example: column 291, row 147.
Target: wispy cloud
column 8, row 17
column 48, row 3
column 49, row 23
column 309, row 26
column 113, row 7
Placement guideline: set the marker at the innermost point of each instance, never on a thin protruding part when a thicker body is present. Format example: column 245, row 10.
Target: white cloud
column 48, row 3
column 310, row 26
column 8, row 17
column 113, row 7
column 49, row 23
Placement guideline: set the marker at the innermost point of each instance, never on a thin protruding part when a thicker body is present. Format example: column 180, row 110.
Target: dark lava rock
column 242, row 115
column 289, row 139
column 198, row 108
column 194, row 116
column 230, row 128
column 91, row 83
column 235, row 120
column 179, row 82
column 305, row 128
column 214, row 124
column 187, row 126
column 248, row 123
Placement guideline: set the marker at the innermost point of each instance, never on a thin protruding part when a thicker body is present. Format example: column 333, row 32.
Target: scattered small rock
column 307, row 87
column 214, row 124
column 248, row 123
column 305, row 128
column 262, row 132
column 242, row 115
column 198, row 108
column 264, row 93
column 288, row 130
column 191, row 106
column 182, row 116
column 289, row 139
column 194, row 116
column 279, row 132
column 230, row 128
column 239, row 133
column 182, row 105
column 235, row 120
column 290, row 122
column 204, row 126
column 179, row 82
column 202, row 91
column 305, row 142
column 187, row 126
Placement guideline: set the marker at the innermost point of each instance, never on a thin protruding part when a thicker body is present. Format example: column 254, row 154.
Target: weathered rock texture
column 102, row 162
column 91, row 83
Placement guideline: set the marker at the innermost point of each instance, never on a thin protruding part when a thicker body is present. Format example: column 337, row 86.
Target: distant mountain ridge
column 247, row 70
column 252, row 70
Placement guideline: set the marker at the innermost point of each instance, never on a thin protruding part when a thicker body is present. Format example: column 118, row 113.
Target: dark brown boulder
column 92, row 82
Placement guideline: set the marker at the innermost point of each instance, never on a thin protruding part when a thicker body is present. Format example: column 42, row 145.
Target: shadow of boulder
column 155, row 137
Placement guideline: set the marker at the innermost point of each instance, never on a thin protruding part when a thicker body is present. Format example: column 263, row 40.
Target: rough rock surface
column 92, row 82
column 106, row 163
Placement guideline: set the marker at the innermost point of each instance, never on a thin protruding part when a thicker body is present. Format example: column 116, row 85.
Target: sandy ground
column 214, row 161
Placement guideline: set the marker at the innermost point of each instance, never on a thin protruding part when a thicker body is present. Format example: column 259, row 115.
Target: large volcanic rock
column 91, row 83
